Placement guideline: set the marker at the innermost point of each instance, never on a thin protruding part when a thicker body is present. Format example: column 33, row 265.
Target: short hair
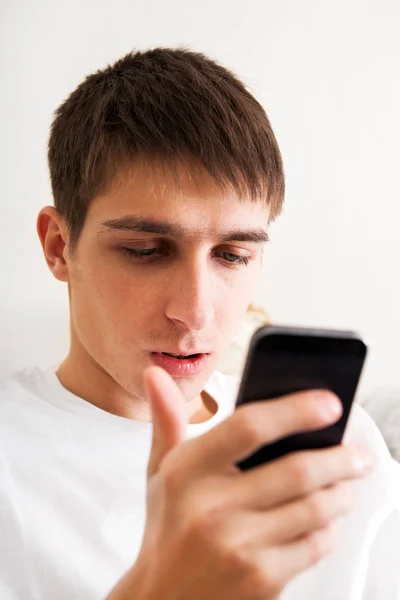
column 167, row 104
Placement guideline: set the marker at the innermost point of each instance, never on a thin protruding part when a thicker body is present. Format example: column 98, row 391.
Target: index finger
column 258, row 423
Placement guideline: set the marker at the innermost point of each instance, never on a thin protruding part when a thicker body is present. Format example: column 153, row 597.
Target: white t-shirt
column 72, row 499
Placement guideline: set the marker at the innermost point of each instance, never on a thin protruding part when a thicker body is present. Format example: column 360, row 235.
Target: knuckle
column 321, row 543
column 357, row 459
column 237, row 557
column 249, row 427
column 207, row 524
column 317, row 509
column 345, row 497
column 301, row 474
column 317, row 546
column 258, row 581
column 262, row 582
column 348, row 458
column 345, row 454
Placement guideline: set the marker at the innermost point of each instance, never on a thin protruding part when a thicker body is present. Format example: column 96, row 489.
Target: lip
column 181, row 367
column 181, row 351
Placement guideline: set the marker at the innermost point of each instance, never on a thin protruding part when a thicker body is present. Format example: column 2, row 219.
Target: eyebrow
column 135, row 224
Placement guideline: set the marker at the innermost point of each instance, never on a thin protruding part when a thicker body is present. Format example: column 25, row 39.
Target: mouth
column 181, row 356
column 181, row 365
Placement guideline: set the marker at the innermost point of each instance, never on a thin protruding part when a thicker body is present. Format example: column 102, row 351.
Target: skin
column 215, row 532
column 190, row 295
column 212, row 531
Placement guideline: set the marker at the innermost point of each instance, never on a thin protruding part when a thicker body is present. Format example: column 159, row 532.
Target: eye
column 234, row 259
column 143, row 253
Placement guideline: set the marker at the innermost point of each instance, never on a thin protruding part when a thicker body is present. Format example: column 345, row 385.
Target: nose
column 191, row 294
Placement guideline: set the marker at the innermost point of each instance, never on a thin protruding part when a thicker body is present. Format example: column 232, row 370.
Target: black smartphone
column 283, row 360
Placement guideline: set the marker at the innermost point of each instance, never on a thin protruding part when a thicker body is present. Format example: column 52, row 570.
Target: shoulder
column 25, row 378
column 16, row 388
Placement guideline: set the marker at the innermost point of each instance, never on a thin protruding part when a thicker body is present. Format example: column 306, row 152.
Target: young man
column 165, row 174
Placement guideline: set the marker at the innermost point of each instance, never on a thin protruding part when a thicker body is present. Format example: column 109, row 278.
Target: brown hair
column 166, row 104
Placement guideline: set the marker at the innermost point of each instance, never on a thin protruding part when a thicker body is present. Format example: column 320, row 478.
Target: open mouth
column 180, row 356
column 181, row 365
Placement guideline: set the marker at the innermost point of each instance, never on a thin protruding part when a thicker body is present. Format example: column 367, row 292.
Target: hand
column 215, row 532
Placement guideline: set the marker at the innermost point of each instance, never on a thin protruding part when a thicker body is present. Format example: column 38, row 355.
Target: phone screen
column 281, row 362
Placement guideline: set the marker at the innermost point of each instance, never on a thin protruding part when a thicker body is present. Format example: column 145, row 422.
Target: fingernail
column 330, row 407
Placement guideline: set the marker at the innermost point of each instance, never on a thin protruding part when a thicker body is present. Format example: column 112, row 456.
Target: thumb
column 168, row 415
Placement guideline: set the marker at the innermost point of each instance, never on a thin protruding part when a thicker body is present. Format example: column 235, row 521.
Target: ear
column 53, row 236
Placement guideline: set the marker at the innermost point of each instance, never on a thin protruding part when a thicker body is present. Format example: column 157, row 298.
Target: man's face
column 166, row 263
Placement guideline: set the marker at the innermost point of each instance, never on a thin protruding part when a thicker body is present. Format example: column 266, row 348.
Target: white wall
column 328, row 74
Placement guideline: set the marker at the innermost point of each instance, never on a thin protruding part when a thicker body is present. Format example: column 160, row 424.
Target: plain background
column 327, row 73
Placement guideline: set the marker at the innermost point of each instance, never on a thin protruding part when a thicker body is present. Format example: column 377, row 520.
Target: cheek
column 109, row 302
column 128, row 304
column 238, row 295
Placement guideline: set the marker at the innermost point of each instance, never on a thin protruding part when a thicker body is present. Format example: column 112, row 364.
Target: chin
column 193, row 386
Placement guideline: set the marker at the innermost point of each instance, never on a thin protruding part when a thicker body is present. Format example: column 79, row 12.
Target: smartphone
column 283, row 360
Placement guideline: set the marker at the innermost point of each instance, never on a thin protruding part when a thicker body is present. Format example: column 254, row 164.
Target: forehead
column 181, row 194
